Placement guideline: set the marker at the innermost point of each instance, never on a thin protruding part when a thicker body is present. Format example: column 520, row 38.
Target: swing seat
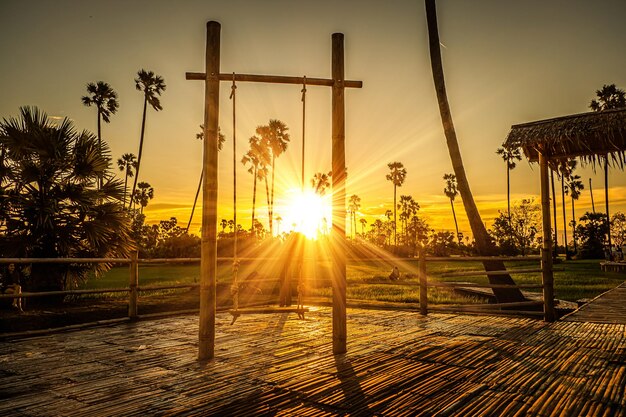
column 268, row 310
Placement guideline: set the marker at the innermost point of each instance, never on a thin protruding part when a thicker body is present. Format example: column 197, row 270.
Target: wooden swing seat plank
column 268, row 310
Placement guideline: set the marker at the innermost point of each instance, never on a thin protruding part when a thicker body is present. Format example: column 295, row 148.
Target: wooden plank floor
column 399, row 364
column 609, row 307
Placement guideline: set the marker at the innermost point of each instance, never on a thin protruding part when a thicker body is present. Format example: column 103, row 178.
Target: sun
column 307, row 213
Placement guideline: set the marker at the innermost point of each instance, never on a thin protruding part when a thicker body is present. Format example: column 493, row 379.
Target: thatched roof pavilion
column 590, row 136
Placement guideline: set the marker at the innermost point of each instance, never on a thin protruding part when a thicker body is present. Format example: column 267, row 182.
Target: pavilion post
column 338, row 237
column 208, row 263
column 421, row 265
column 546, row 250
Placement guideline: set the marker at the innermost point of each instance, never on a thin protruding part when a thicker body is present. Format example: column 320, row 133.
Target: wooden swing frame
column 208, row 264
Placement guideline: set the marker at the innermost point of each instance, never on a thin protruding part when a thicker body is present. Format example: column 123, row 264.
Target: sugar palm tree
column 143, row 194
column 258, row 159
column 408, row 207
column 354, row 205
column 397, row 175
column 279, row 220
column 574, row 188
column 102, row 96
column 509, row 156
column 274, row 135
column 151, row 85
column 363, row 223
column 484, row 244
column 609, row 97
column 566, row 168
column 52, row 206
column 320, row 182
column 127, row 163
column 555, row 252
column 220, row 143
column 451, row 191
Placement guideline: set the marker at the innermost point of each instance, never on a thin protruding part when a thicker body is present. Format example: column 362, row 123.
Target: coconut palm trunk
column 143, row 129
column 195, row 200
column 483, row 242
column 456, row 224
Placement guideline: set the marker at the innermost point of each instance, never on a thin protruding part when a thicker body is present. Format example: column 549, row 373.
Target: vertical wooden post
column 546, row 250
column 133, row 284
column 421, row 265
column 208, row 263
column 338, row 238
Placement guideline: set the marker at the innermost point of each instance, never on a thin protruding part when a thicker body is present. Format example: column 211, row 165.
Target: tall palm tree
column 354, row 205
column 320, row 182
column 143, row 194
column 258, row 159
column 397, row 175
column 408, row 207
column 566, row 168
column 555, row 252
column 127, row 163
column 276, row 138
column 151, row 85
column 52, row 202
column 102, row 96
column 609, row 97
column 363, row 223
column 451, row 191
column 574, row 188
column 279, row 220
column 509, row 156
column 483, row 243
column 220, row 144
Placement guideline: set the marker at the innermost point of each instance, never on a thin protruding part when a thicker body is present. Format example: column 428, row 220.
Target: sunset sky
column 505, row 63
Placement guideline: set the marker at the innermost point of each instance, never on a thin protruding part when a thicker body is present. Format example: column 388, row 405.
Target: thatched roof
column 590, row 136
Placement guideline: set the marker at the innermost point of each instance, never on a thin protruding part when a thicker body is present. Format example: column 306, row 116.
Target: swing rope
column 303, row 91
column 234, row 289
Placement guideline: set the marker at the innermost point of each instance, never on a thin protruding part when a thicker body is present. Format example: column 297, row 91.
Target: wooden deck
column 398, row 364
column 609, row 307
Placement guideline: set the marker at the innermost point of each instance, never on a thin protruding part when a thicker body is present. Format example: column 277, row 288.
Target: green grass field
column 367, row 280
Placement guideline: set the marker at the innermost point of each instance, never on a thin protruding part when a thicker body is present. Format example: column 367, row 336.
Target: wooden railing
column 510, row 308
column 424, row 282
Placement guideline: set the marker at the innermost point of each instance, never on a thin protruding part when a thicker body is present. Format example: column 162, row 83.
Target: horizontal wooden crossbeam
column 274, row 79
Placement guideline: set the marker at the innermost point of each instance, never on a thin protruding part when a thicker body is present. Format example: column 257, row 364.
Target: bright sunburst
column 307, row 212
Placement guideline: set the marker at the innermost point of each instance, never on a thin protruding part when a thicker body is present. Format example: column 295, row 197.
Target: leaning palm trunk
column 195, row 200
column 483, row 242
column 143, row 129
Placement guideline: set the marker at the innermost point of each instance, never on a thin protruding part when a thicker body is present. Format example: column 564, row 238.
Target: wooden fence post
column 133, row 284
column 421, row 264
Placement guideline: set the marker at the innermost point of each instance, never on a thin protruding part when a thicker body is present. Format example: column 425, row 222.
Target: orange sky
column 505, row 63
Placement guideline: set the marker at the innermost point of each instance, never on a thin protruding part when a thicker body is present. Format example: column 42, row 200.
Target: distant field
column 367, row 280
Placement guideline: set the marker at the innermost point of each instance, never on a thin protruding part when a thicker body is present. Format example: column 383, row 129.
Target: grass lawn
column 367, row 280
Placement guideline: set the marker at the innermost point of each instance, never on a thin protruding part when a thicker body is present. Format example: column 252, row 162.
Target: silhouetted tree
column 354, row 206
column 151, row 85
column 574, row 187
column 397, row 175
column 509, row 157
column 143, row 194
column 127, row 163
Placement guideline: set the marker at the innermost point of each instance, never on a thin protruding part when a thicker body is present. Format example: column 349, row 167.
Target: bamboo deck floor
column 609, row 307
column 399, row 364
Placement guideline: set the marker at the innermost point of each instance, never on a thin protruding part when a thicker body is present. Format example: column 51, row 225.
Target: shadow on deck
column 399, row 363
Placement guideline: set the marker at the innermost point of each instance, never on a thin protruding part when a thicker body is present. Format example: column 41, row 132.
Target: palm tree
column 483, row 242
column 52, row 206
column 397, row 175
column 220, row 143
column 223, row 223
column 104, row 98
column 363, row 223
column 321, row 182
column 127, row 163
column 555, row 252
column 408, row 207
column 574, row 188
column 143, row 194
column 609, row 97
column 151, row 85
column 566, row 168
column 279, row 220
column 275, row 137
column 509, row 156
column 258, row 158
column 451, row 191
column 354, row 206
